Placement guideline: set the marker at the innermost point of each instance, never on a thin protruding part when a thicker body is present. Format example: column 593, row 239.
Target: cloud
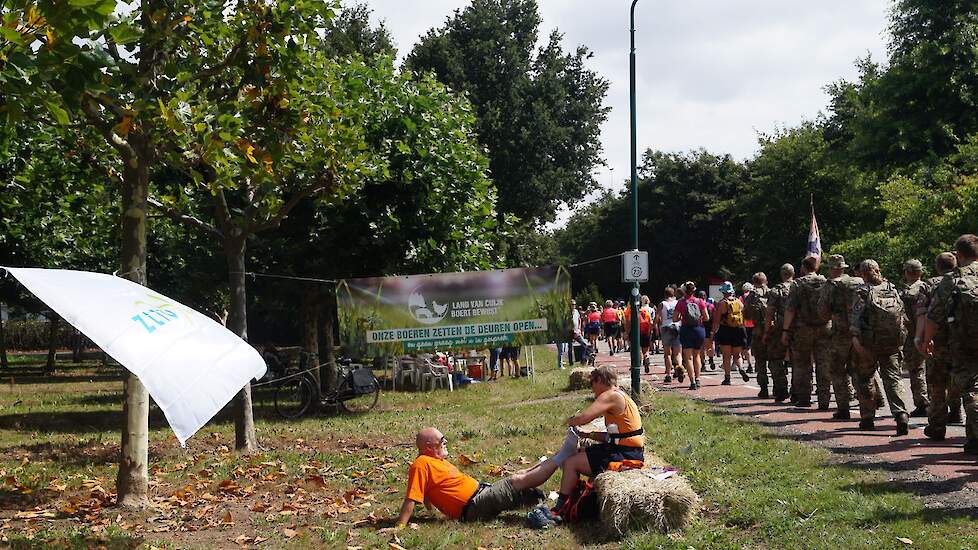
column 710, row 74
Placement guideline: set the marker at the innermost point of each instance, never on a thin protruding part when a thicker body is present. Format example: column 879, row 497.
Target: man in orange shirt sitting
column 434, row 481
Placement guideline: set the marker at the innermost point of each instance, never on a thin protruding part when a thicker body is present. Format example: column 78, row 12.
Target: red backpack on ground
column 581, row 505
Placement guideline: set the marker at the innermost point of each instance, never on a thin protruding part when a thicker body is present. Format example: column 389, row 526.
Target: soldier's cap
column 747, row 287
column 837, row 261
column 787, row 269
column 913, row 265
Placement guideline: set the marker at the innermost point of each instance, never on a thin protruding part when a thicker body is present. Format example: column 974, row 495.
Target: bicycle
column 357, row 390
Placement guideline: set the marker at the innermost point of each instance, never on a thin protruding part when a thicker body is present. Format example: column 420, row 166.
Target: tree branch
column 221, row 210
column 104, row 128
column 328, row 179
column 216, row 69
column 187, row 220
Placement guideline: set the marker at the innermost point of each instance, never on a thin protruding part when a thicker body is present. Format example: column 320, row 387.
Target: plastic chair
column 406, row 368
column 432, row 375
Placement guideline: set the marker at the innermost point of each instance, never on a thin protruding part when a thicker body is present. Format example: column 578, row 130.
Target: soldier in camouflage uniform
column 835, row 303
column 810, row 338
column 954, row 308
column 754, row 310
column 913, row 361
column 773, row 324
column 944, row 396
column 878, row 331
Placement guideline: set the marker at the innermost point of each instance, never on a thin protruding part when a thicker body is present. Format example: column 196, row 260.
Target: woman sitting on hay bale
column 623, row 440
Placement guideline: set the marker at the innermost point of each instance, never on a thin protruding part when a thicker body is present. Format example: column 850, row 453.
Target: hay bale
column 634, row 500
column 625, row 383
column 580, row 378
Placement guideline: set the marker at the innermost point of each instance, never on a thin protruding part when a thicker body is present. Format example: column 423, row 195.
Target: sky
column 711, row 74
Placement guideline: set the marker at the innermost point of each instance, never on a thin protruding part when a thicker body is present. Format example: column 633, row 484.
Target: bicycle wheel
column 293, row 397
column 355, row 403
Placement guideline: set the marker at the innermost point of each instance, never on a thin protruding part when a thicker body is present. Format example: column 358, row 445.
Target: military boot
column 763, row 393
column 902, row 424
column 867, row 424
column 935, row 432
column 841, row 414
column 971, row 446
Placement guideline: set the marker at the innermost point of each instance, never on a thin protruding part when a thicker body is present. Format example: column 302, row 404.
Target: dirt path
column 939, row 472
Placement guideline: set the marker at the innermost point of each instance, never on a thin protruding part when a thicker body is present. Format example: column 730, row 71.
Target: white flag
column 190, row 364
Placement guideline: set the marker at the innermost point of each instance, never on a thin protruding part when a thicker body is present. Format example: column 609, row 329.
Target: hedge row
column 33, row 335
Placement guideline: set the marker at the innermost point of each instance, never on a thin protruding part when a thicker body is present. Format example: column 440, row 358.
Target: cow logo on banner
column 480, row 309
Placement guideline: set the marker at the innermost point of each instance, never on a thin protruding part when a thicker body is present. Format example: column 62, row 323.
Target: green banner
column 444, row 311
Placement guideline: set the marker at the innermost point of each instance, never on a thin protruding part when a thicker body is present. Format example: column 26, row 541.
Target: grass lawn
column 333, row 480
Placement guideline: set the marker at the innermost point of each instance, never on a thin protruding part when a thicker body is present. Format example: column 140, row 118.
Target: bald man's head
column 431, row 442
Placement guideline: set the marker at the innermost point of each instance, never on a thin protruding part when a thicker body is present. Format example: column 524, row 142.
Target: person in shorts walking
column 692, row 313
column 669, row 332
column 728, row 327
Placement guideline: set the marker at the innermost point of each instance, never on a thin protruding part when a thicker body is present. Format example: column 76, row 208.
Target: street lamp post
column 636, row 345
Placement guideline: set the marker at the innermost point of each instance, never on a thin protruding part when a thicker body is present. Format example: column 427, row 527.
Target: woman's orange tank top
column 628, row 421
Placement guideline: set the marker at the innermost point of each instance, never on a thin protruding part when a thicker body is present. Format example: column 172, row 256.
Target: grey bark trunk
column 245, row 437
column 132, row 482
column 310, row 328
column 52, row 341
column 328, row 309
column 76, row 346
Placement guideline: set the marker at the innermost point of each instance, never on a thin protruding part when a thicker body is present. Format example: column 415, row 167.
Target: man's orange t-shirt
column 446, row 488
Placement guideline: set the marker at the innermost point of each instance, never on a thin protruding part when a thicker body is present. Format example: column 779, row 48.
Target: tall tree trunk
column 76, row 346
column 53, row 323
column 329, row 308
column 245, row 438
column 132, row 482
column 3, row 342
column 310, row 327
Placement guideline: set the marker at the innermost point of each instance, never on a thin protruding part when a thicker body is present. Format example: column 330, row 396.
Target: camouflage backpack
column 884, row 318
column 754, row 306
column 810, row 288
column 963, row 314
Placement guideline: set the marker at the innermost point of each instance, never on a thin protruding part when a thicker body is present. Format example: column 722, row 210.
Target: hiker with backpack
column 755, row 304
column 913, row 361
column 728, row 328
column 646, row 318
column 691, row 312
column 710, row 349
column 955, row 308
column 835, row 303
column 808, row 334
column 945, row 396
column 669, row 331
column 773, row 328
column 878, row 332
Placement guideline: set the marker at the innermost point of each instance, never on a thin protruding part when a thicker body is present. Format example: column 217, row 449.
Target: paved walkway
column 926, row 467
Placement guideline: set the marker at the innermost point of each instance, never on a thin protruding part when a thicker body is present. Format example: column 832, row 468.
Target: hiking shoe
column 823, row 406
column 744, row 375
column 971, row 446
column 726, row 381
column 692, row 384
column 902, row 424
column 880, row 402
column 919, row 412
column 667, row 379
column 712, row 364
column 680, row 376
column 763, row 394
column 867, row 424
column 935, row 432
column 841, row 414
column 539, row 518
column 698, row 383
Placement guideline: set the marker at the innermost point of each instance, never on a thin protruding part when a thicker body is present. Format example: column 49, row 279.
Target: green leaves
column 60, row 115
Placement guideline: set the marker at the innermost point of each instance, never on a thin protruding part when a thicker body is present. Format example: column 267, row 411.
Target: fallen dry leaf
column 289, row 533
column 466, row 461
column 905, row 540
column 226, row 519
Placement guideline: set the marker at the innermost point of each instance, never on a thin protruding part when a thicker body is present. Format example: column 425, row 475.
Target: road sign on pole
column 635, row 266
